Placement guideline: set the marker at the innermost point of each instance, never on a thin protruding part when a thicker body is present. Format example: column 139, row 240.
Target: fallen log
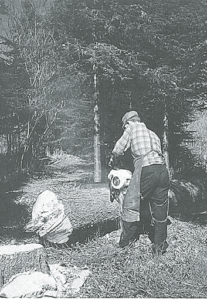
column 187, row 197
column 16, row 259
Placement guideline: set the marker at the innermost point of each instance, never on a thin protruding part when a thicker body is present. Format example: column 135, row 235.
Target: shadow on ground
column 190, row 206
column 12, row 213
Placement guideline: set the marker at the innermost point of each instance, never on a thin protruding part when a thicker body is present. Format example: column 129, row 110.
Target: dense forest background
column 71, row 69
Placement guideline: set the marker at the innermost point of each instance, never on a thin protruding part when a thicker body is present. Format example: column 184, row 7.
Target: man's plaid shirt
column 137, row 136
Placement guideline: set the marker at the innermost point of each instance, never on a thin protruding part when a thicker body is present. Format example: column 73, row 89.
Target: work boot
column 159, row 213
column 124, row 242
column 130, row 233
column 160, row 249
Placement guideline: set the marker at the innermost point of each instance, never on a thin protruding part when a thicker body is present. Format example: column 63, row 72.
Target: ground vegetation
column 62, row 64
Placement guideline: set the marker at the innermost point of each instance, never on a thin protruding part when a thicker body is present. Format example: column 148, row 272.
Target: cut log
column 16, row 259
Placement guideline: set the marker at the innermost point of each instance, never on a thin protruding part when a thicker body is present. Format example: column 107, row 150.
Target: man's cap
column 129, row 115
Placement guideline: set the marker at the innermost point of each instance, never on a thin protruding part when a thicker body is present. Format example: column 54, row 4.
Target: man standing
column 148, row 188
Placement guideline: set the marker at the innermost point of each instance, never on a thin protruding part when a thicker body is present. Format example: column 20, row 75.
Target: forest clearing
column 69, row 72
column 132, row 272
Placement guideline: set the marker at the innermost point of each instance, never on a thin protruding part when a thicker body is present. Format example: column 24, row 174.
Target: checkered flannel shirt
column 137, row 136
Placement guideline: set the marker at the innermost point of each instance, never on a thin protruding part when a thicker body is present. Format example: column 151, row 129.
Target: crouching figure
column 49, row 220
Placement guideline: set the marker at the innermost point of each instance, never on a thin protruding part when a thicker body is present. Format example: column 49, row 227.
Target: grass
column 134, row 272
column 82, row 206
column 115, row 273
column 64, row 177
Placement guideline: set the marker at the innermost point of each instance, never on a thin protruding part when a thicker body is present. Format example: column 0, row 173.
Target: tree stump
column 16, row 259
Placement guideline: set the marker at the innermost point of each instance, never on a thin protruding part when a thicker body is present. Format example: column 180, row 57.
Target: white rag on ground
column 69, row 279
column 49, row 220
column 27, row 284
column 37, row 284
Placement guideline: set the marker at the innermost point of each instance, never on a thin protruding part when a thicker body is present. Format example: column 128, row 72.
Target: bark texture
column 165, row 143
column 97, row 144
column 16, row 259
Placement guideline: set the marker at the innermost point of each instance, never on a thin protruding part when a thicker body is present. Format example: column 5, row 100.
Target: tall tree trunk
column 9, row 144
column 97, row 144
column 165, row 143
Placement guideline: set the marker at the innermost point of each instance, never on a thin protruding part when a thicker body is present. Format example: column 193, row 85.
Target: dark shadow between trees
column 12, row 214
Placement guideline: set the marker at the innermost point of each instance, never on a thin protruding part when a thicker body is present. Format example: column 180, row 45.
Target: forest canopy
column 63, row 59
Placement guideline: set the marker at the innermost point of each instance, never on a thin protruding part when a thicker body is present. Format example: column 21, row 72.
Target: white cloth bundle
column 49, row 220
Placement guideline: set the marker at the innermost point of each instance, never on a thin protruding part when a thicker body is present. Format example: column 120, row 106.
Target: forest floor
column 115, row 273
column 70, row 179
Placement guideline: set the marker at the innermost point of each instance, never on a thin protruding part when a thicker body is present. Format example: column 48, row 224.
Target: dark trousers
column 154, row 187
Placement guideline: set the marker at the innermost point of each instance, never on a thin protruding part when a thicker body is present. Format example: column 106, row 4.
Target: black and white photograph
column 103, row 149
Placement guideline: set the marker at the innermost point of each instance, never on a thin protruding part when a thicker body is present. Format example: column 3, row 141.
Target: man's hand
column 114, row 161
column 111, row 159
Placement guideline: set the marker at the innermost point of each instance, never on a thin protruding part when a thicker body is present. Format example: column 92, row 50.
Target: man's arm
column 123, row 143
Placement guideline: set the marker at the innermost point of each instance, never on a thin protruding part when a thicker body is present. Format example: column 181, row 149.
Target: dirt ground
column 134, row 272
column 70, row 179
